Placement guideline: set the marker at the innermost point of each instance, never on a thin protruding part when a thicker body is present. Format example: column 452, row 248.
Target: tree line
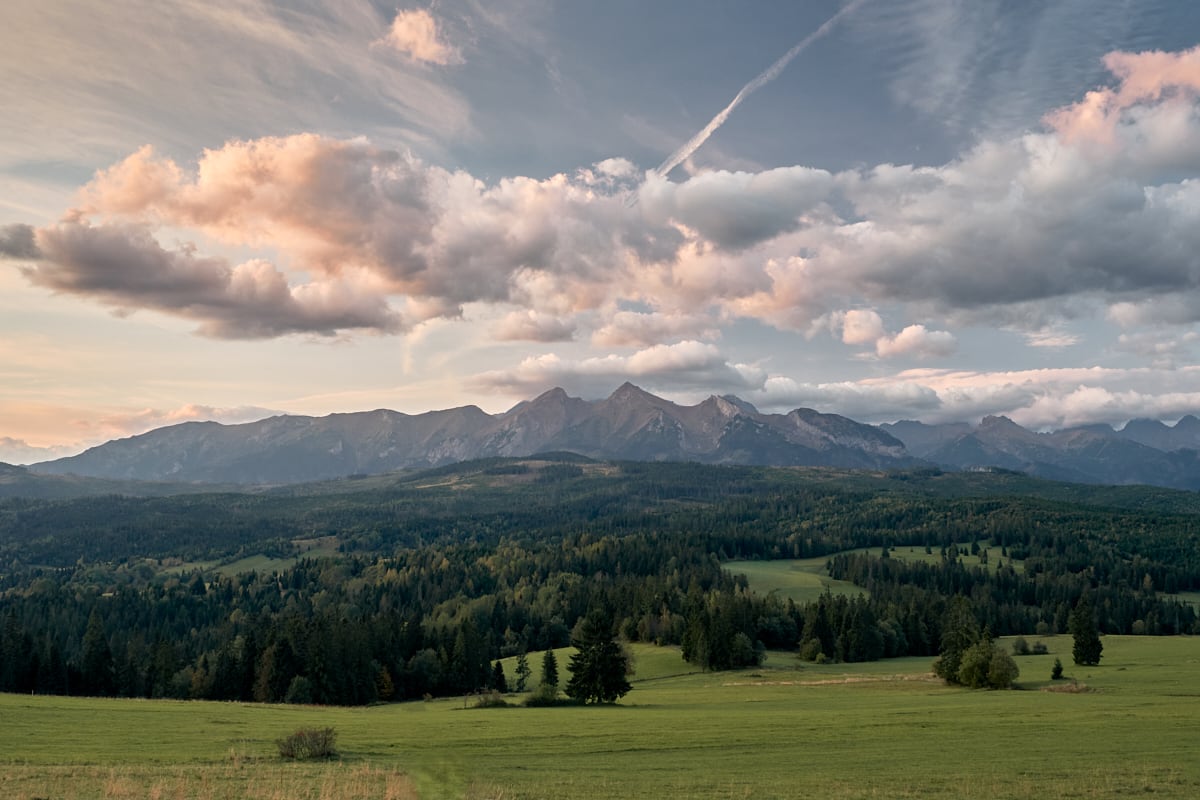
column 423, row 597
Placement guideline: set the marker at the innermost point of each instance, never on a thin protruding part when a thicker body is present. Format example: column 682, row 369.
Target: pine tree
column 96, row 662
column 1083, row 628
column 599, row 666
column 523, row 671
column 499, row 682
column 550, row 670
column 960, row 631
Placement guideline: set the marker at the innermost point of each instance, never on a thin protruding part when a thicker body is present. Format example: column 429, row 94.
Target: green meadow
column 884, row 729
column 804, row 580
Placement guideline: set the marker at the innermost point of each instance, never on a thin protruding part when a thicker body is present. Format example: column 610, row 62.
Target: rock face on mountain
column 1145, row 451
column 629, row 424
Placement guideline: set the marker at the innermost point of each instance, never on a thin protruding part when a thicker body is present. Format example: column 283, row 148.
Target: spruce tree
column 96, row 661
column 599, row 666
column 550, row 670
column 960, row 630
column 499, row 682
column 1083, row 628
column 523, row 671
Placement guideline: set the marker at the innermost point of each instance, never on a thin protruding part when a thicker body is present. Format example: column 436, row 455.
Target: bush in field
column 308, row 744
column 491, row 699
column 983, row 664
column 1020, row 647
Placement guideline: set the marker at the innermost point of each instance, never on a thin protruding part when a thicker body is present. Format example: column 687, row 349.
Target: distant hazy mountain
column 16, row 481
column 629, row 424
column 1145, row 451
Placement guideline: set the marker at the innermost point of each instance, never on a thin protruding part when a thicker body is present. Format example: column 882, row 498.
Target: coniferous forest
column 402, row 586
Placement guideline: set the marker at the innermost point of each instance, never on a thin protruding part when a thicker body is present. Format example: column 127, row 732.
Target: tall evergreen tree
column 523, row 671
column 1086, row 633
column 550, row 670
column 960, row 630
column 599, row 666
column 96, row 661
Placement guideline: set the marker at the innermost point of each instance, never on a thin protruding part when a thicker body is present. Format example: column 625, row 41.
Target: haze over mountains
column 632, row 424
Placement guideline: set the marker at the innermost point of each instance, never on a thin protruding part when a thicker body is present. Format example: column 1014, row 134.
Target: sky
column 888, row 209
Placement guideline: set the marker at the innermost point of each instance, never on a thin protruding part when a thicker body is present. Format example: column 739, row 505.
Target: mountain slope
column 629, row 424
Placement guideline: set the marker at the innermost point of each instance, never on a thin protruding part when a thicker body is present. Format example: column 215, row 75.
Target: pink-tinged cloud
column 533, row 326
column 416, row 34
column 1007, row 233
column 1143, row 78
column 864, row 327
column 124, row 266
column 642, row 329
column 687, row 365
column 916, row 341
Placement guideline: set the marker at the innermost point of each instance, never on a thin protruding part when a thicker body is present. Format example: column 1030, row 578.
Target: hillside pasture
column 885, row 729
column 804, row 580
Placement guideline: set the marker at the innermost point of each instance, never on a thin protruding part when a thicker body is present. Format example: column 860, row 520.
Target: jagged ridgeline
column 395, row 586
column 629, row 424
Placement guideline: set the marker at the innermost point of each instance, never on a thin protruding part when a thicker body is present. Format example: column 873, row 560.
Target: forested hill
column 394, row 586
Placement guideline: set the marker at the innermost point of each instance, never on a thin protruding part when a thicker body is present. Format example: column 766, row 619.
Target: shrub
column 1039, row 649
column 1056, row 672
column 984, row 664
column 1002, row 670
column 490, row 699
column 308, row 744
column 810, row 650
column 1020, row 647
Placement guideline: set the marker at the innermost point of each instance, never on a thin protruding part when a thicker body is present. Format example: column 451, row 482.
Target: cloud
column 1039, row 399
column 533, row 326
column 916, row 340
column 123, row 266
column 1050, row 337
column 861, row 401
column 71, row 429
column 17, row 242
column 735, row 210
column 1143, row 78
column 182, row 73
column 861, row 326
column 133, row 422
column 1012, row 232
column 415, row 33
column 864, row 326
column 18, row 451
column 683, row 366
column 640, row 329
column 979, row 69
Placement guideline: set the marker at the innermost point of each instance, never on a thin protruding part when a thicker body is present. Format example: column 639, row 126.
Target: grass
column 839, row 731
column 804, row 580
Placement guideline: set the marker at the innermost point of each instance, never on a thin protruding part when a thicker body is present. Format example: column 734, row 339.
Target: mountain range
column 631, row 424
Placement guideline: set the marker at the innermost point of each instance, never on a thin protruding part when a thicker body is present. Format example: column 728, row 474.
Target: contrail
column 768, row 75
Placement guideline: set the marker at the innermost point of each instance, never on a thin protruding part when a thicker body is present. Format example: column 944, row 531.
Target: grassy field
column 802, row 579
column 836, row 731
column 806, row 579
